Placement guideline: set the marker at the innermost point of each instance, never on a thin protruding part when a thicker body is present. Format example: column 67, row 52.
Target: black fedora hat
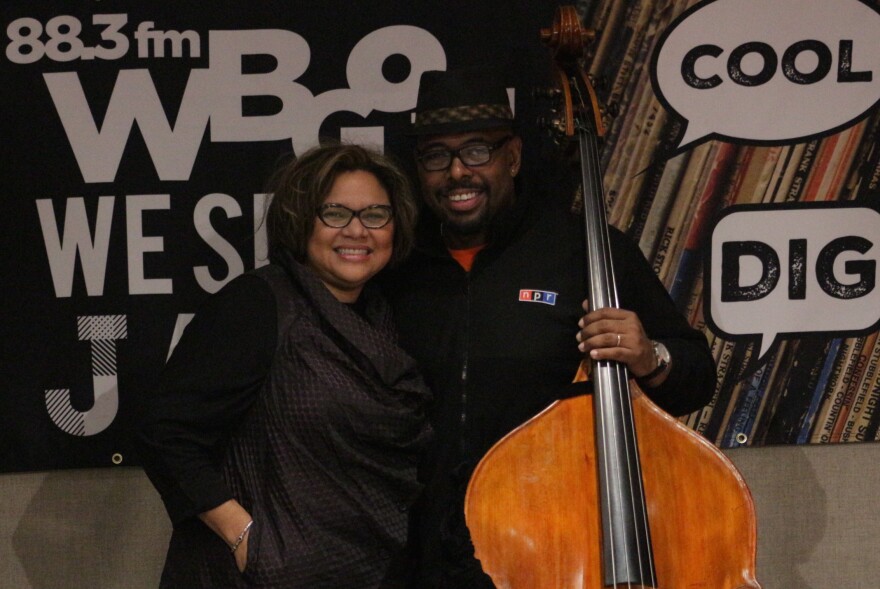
column 460, row 100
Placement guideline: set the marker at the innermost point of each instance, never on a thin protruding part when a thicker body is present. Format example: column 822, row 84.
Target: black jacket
column 495, row 356
column 305, row 412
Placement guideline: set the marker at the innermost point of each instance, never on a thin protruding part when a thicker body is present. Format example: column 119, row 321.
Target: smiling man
column 490, row 304
column 467, row 178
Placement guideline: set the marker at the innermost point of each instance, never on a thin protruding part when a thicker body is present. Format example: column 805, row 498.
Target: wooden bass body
column 548, row 536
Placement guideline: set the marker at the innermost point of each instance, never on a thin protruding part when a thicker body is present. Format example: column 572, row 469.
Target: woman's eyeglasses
column 339, row 216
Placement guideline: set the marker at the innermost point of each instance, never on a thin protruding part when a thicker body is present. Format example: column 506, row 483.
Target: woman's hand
column 231, row 521
column 240, row 554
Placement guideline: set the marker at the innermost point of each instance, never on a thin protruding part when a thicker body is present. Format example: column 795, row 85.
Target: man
column 489, row 306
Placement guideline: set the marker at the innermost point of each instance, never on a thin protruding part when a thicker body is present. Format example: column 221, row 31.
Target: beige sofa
column 106, row 529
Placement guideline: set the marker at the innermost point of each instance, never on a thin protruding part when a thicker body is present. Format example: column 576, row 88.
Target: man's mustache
column 463, row 184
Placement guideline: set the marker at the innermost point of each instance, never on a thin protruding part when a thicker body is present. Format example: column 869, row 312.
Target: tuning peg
column 552, row 124
column 546, row 93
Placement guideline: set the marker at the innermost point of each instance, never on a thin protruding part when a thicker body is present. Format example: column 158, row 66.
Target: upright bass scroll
column 607, row 491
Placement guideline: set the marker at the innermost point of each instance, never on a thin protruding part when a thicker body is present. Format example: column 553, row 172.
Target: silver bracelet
column 241, row 536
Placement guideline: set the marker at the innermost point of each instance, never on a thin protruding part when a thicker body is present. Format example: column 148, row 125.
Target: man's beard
column 461, row 224
column 465, row 227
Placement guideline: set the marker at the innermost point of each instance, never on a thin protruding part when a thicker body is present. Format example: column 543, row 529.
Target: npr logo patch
column 537, row 296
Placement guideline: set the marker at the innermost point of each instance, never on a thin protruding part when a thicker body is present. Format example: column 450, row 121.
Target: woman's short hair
column 300, row 185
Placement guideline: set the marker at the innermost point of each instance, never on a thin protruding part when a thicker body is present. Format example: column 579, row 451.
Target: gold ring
column 618, row 340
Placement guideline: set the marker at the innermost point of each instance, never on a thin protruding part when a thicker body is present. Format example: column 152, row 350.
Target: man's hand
column 617, row 334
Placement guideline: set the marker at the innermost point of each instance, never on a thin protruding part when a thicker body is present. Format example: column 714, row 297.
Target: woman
column 286, row 431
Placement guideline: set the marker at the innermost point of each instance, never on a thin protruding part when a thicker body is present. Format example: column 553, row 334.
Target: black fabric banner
column 137, row 138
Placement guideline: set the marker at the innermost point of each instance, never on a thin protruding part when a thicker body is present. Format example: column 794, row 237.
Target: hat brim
column 454, row 127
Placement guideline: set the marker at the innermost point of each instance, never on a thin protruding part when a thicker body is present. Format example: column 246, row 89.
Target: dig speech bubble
column 763, row 71
column 794, row 269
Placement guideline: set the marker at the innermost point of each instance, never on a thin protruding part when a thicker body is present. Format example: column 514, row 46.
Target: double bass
column 607, row 490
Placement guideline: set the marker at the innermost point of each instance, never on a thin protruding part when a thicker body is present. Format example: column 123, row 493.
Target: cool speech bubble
column 762, row 71
column 794, row 269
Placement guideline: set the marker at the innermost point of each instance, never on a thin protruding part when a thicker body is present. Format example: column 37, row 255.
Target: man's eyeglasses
column 339, row 216
column 438, row 159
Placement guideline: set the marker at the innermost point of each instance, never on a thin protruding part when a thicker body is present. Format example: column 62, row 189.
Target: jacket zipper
column 464, row 368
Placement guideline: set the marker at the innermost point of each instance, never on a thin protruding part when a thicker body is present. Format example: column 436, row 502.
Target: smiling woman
column 345, row 256
column 285, row 434
column 303, row 186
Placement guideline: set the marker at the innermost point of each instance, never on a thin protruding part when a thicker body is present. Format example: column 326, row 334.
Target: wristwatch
column 661, row 353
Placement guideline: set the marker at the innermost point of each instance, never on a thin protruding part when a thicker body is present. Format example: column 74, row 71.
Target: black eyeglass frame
column 456, row 153
column 353, row 213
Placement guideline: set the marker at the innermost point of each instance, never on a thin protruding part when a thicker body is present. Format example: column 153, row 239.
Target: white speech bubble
column 777, row 109
column 808, row 230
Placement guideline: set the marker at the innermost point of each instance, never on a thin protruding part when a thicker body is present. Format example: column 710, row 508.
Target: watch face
column 662, row 354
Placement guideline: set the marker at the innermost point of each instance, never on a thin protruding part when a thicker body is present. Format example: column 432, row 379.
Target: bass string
column 604, row 293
